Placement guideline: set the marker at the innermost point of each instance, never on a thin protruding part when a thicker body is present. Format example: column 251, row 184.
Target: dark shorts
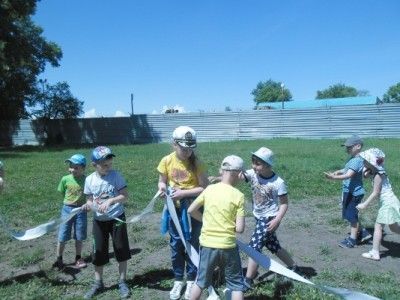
column 101, row 232
column 228, row 260
column 349, row 210
column 262, row 237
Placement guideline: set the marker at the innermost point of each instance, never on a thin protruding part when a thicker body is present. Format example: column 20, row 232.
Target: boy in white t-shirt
column 270, row 203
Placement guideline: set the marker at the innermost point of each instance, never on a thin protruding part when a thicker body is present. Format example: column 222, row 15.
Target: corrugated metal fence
column 328, row 122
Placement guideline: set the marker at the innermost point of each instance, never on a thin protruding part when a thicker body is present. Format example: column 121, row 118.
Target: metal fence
column 328, row 122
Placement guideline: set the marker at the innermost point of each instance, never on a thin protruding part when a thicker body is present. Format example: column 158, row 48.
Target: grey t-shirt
column 266, row 192
column 103, row 188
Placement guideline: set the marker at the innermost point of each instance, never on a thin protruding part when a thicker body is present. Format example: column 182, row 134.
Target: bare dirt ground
column 310, row 232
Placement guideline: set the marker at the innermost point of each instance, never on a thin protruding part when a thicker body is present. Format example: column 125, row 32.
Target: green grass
column 32, row 176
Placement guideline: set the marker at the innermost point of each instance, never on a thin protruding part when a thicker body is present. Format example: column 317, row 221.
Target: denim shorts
column 78, row 223
column 349, row 210
column 227, row 260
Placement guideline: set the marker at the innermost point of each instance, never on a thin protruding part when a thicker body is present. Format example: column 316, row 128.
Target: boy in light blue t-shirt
column 353, row 191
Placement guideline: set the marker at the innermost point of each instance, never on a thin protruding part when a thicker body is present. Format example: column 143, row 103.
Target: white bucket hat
column 185, row 137
column 232, row 163
column 265, row 155
column 375, row 157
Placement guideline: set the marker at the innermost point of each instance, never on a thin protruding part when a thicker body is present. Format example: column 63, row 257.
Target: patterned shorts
column 262, row 237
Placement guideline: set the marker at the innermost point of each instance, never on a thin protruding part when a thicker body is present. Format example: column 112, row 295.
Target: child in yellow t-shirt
column 223, row 216
column 184, row 176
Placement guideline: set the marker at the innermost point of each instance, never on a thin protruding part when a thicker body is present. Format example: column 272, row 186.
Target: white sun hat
column 265, row 155
column 375, row 157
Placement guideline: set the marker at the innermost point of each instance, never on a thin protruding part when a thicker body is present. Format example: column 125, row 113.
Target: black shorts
column 349, row 210
column 119, row 235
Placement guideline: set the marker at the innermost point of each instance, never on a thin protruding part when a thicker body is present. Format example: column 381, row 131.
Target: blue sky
column 207, row 55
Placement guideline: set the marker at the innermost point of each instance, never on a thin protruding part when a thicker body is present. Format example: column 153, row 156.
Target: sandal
column 371, row 255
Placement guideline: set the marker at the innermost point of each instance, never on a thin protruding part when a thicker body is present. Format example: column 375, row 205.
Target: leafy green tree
column 54, row 102
column 24, row 53
column 270, row 91
column 340, row 90
column 393, row 94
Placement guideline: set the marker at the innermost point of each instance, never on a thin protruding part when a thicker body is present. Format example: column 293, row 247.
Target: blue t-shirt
column 354, row 185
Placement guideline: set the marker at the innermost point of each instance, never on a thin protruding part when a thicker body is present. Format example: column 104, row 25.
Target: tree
column 340, row 90
column 270, row 91
column 54, row 102
column 24, row 53
column 393, row 94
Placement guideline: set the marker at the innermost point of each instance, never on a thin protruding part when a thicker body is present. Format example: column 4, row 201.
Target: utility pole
column 132, row 104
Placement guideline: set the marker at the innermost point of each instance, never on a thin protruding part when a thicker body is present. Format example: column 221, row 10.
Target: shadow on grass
column 393, row 249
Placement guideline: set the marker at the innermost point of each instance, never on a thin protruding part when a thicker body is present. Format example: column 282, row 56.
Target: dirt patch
column 310, row 232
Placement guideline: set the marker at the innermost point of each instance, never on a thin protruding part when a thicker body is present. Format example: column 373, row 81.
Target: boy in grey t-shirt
column 106, row 192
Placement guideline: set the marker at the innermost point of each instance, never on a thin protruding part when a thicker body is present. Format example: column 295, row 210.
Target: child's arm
column 340, row 176
column 240, row 224
column 283, row 207
column 194, row 211
column 162, row 184
column 121, row 198
column 178, row 193
column 375, row 193
column 89, row 202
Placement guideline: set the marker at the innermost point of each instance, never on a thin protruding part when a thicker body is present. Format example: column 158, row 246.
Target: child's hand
column 177, row 194
column 163, row 192
column 361, row 206
column 329, row 175
column 102, row 208
column 87, row 206
column 273, row 224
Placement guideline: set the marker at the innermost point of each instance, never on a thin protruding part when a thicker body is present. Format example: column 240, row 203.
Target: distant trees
column 270, row 91
column 340, row 90
column 24, row 53
column 53, row 102
column 393, row 94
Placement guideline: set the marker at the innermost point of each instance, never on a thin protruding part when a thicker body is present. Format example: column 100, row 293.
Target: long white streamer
column 274, row 266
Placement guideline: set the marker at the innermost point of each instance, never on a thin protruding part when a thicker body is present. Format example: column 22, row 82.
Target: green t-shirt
column 72, row 189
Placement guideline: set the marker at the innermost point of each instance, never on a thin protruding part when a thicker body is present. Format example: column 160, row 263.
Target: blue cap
column 101, row 153
column 77, row 159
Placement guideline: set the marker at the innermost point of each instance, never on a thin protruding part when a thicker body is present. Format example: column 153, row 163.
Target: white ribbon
column 38, row 231
column 274, row 266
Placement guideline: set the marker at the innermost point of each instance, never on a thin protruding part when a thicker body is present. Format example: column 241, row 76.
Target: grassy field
column 32, row 176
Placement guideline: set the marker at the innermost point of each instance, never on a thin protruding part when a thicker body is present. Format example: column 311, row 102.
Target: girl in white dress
column 389, row 205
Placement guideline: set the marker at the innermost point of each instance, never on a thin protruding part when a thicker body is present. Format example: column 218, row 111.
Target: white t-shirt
column 266, row 192
column 103, row 188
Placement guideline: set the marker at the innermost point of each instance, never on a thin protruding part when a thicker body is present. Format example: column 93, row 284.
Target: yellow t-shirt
column 178, row 173
column 222, row 204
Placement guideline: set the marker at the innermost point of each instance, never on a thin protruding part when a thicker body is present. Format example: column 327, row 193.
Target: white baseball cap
column 265, row 155
column 185, row 136
column 232, row 163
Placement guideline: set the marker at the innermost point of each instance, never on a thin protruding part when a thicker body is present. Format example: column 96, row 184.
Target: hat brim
column 104, row 157
column 269, row 163
column 187, row 144
column 74, row 162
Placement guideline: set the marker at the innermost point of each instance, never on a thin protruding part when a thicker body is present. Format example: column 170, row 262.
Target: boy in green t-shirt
column 71, row 186
column 223, row 216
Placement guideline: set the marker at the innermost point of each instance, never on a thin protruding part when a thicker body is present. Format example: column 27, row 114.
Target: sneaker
column 123, row 289
column 80, row 263
column 96, row 289
column 58, row 264
column 363, row 235
column 189, row 285
column 347, row 243
column 371, row 255
column 175, row 293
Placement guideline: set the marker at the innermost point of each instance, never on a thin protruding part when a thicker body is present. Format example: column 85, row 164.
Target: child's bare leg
column 122, row 267
column 252, row 267
column 284, row 256
column 195, row 293
column 236, row 295
column 60, row 248
column 354, row 230
column 395, row 228
column 78, row 248
column 98, row 273
column 377, row 237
